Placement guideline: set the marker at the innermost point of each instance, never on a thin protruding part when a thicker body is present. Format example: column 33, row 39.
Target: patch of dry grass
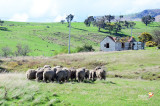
column 124, row 63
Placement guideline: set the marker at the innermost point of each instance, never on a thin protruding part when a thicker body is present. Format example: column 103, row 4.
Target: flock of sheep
column 62, row 74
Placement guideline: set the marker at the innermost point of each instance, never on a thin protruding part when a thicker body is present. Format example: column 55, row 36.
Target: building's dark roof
column 113, row 38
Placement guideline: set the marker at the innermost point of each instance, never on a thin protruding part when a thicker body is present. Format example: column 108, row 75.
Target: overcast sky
column 56, row 10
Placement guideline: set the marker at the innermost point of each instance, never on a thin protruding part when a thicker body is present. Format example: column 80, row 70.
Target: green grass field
column 48, row 39
column 15, row 90
column 131, row 74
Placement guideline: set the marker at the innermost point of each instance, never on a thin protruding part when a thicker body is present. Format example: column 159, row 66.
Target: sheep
column 80, row 74
column 92, row 75
column 31, row 74
column 73, row 73
column 47, row 66
column 68, row 71
column 49, row 75
column 39, row 75
column 38, row 68
column 98, row 67
column 101, row 74
column 61, row 75
column 59, row 67
column 86, row 74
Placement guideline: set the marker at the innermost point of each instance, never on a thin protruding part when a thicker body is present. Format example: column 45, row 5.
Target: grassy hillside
column 49, row 38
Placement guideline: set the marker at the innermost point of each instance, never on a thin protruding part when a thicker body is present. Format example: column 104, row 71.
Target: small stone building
column 113, row 44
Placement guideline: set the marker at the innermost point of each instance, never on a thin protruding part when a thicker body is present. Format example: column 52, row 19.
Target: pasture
column 15, row 90
column 48, row 39
column 131, row 74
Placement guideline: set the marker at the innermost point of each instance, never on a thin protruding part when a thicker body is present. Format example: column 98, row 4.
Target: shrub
column 85, row 48
column 156, row 36
column 145, row 37
column 47, row 27
column 151, row 44
column 6, row 51
column 3, row 28
column 22, row 50
column 158, row 46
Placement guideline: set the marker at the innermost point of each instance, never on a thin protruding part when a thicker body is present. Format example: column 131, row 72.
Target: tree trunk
column 99, row 29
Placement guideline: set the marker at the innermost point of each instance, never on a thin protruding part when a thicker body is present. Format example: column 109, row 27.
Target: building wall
column 126, row 46
column 138, row 45
column 111, row 44
column 117, row 46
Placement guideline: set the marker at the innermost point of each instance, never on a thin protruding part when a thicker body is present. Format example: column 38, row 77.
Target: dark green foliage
column 47, row 27
column 85, row 48
column 89, row 20
column 158, row 46
column 147, row 19
column 121, row 16
column 69, row 18
column 104, row 22
column 100, row 23
column 62, row 21
column 3, row 28
column 1, row 22
column 110, row 27
column 129, row 24
column 117, row 27
column 109, row 18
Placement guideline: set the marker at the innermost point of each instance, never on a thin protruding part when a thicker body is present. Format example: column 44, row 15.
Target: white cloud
column 54, row 10
column 20, row 17
column 40, row 7
column 59, row 18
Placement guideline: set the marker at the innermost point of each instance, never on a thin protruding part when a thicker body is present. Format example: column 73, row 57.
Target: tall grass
column 113, row 91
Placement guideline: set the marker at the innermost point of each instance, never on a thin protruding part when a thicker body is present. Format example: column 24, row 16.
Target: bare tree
column 156, row 36
column 69, row 18
column 6, row 51
column 22, row 50
column 100, row 22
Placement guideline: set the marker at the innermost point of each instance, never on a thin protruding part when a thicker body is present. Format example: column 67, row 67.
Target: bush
column 85, row 48
column 158, row 47
column 3, row 28
column 145, row 37
column 6, row 51
column 151, row 44
column 156, row 36
column 22, row 50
